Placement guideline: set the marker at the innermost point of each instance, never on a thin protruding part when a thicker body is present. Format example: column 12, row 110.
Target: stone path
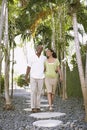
column 67, row 115
column 47, row 123
column 44, row 118
column 44, row 115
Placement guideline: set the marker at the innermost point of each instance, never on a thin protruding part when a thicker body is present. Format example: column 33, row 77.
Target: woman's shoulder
column 57, row 61
column 46, row 60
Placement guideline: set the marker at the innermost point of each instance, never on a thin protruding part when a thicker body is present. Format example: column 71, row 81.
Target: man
column 36, row 69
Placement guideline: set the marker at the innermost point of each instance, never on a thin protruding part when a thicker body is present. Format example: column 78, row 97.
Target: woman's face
column 48, row 53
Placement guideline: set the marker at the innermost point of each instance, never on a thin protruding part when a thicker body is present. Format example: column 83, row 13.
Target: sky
column 21, row 56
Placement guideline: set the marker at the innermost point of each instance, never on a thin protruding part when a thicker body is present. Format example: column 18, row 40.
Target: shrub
column 2, row 83
column 21, row 81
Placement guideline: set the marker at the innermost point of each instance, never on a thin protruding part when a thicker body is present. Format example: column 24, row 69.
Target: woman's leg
column 50, row 100
column 49, row 92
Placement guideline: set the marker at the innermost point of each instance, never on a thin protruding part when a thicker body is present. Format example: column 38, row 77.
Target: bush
column 2, row 84
column 21, row 81
column 73, row 83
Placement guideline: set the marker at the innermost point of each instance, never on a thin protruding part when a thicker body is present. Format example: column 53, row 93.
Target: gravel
column 19, row 118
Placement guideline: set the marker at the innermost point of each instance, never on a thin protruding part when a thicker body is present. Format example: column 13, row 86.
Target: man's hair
column 38, row 46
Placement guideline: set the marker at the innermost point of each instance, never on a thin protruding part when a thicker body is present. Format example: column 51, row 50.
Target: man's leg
column 33, row 84
column 39, row 91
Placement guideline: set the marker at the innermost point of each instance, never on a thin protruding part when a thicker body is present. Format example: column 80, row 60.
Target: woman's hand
column 56, row 70
column 61, row 79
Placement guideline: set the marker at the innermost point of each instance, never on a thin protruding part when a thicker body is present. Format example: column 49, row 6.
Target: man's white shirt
column 37, row 66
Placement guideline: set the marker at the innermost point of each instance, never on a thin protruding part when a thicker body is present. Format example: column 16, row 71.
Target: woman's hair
column 53, row 53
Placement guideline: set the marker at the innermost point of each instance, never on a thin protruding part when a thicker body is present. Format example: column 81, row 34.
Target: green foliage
column 73, row 83
column 21, row 81
column 82, row 17
column 72, row 1
column 2, row 84
column 73, row 79
column 23, row 21
column 83, row 50
column 44, row 32
column 11, row 1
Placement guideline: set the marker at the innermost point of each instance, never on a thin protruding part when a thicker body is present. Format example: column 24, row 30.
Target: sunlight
column 85, row 1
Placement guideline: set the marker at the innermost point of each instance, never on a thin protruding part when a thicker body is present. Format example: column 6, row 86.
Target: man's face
column 39, row 49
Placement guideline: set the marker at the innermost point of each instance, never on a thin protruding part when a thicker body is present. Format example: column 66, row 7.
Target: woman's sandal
column 50, row 109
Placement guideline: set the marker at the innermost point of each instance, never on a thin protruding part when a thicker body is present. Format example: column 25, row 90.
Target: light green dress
column 51, row 76
column 50, row 71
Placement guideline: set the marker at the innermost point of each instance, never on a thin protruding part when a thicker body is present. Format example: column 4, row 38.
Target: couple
column 39, row 68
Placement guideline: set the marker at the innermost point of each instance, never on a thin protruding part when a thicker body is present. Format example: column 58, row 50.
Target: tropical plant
column 21, row 81
column 2, row 84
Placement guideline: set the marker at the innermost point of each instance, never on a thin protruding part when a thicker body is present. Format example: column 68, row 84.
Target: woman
column 51, row 75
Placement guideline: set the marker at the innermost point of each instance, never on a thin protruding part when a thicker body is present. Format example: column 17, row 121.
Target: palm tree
column 7, row 97
column 86, row 68
column 1, row 30
column 74, row 7
column 8, row 104
column 2, row 18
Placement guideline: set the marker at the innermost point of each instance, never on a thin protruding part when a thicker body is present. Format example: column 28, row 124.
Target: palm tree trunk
column 12, row 71
column 8, row 105
column 79, row 62
column 63, row 47
column 1, row 30
column 2, row 18
column 53, row 32
column 6, row 60
column 64, row 78
column 0, row 69
column 86, row 70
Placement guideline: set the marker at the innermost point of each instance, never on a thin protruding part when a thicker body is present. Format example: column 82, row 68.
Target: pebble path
column 20, row 118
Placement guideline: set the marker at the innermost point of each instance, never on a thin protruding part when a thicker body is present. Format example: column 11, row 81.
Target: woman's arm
column 60, row 73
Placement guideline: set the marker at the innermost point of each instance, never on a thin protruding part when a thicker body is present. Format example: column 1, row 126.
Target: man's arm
column 27, row 73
